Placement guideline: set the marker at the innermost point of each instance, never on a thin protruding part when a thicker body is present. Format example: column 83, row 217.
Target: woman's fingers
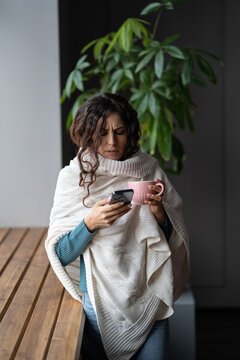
column 110, row 207
column 104, row 215
column 109, row 213
column 156, row 198
column 111, row 218
column 155, row 188
column 102, row 202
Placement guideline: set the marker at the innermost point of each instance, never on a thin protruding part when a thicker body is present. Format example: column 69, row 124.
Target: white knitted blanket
column 133, row 274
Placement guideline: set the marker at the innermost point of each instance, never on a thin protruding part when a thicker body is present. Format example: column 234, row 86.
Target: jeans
column 154, row 348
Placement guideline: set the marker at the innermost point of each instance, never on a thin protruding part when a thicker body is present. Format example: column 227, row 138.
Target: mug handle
column 162, row 188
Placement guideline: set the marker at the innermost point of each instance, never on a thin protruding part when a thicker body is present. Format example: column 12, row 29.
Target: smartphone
column 121, row 196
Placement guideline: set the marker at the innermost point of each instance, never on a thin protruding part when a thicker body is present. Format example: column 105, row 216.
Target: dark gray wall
column 209, row 181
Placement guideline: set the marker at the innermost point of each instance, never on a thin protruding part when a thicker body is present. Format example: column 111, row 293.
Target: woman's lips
column 112, row 151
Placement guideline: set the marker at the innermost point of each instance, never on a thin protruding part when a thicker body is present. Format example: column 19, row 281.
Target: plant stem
column 156, row 23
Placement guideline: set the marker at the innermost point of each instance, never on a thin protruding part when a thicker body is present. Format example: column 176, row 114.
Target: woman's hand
column 101, row 215
column 155, row 203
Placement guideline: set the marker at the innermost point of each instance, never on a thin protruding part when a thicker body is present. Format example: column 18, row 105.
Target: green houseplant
column 154, row 75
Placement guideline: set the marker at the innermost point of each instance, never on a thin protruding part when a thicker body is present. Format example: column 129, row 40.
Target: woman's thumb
column 103, row 202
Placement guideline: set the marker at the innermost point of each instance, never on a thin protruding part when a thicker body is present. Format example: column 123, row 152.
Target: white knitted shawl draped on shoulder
column 133, row 274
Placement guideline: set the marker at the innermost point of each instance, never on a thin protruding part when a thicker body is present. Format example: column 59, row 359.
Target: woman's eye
column 103, row 133
column 120, row 132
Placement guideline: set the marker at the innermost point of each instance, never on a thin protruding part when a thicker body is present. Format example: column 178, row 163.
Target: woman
column 133, row 259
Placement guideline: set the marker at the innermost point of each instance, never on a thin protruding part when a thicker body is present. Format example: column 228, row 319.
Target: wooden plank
column 37, row 337
column 67, row 336
column 16, row 268
column 9, row 245
column 3, row 233
column 17, row 316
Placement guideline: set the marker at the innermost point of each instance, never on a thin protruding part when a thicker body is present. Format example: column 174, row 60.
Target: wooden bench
column 38, row 318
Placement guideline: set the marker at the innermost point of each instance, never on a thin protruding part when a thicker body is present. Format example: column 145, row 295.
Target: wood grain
column 15, row 270
column 19, row 312
column 39, row 320
column 66, row 340
column 43, row 320
column 9, row 245
column 3, row 233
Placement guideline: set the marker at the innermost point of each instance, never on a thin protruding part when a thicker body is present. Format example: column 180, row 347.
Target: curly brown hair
column 85, row 123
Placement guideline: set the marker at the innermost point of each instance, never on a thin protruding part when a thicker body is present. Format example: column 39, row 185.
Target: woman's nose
column 111, row 138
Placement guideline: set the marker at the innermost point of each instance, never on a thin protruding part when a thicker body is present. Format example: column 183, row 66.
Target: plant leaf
column 125, row 35
column 115, row 86
column 144, row 61
column 189, row 120
column 77, row 78
column 138, row 28
column 211, row 55
column 168, row 5
column 159, row 83
column 104, row 81
column 144, row 142
column 180, row 114
column 128, row 73
column 112, row 43
column 81, row 60
column 178, row 154
column 153, row 136
column 206, row 69
column 187, row 98
column 143, row 105
column 83, row 65
column 174, row 51
column 187, row 72
column 153, row 104
column 146, row 77
column 153, row 7
column 69, row 120
column 164, row 138
column 63, row 97
column 196, row 79
column 116, row 76
column 158, row 63
column 165, row 92
column 170, row 39
column 137, row 94
column 77, row 103
column 116, row 57
column 144, row 52
column 110, row 65
column 69, row 84
column 97, row 50
column 86, row 47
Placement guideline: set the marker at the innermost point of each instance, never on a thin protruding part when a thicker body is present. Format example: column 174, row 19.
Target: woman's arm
column 73, row 244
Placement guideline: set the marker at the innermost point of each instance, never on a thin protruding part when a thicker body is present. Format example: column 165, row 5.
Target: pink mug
column 141, row 189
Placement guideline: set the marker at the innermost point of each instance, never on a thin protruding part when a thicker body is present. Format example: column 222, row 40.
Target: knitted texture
column 133, row 274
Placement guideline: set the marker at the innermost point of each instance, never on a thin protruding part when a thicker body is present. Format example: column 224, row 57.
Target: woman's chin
column 112, row 155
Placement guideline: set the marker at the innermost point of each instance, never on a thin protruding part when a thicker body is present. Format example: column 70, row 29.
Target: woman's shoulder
column 69, row 174
column 149, row 158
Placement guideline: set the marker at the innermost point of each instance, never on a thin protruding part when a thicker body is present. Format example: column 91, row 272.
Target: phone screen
column 121, row 196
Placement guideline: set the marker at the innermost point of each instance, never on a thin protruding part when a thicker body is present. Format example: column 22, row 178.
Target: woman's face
column 114, row 137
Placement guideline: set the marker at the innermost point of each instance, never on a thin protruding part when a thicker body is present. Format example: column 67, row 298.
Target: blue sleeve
column 73, row 244
column 166, row 228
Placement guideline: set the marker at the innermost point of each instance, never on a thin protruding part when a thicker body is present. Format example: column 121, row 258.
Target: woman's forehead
column 113, row 120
